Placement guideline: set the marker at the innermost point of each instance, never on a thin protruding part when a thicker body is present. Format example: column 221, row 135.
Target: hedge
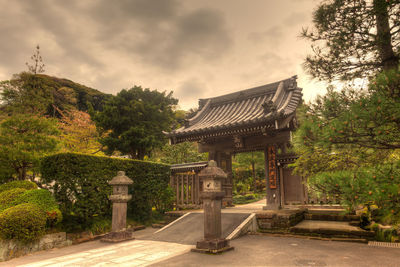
column 81, row 184
column 28, row 185
column 24, row 222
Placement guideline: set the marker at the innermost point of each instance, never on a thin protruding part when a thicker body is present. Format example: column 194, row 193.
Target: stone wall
column 279, row 220
column 12, row 249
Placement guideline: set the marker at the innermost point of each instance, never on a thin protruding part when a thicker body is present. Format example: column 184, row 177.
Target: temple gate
column 256, row 119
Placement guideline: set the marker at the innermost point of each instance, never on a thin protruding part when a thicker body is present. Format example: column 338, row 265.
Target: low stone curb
column 12, row 249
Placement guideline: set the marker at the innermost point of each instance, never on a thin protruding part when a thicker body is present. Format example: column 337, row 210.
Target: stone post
column 212, row 195
column 119, row 199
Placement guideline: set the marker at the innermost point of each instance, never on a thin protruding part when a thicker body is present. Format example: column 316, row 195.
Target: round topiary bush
column 45, row 201
column 28, row 185
column 24, row 222
column 41, row 197
column 7, row 197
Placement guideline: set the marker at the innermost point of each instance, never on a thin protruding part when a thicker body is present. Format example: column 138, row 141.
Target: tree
column 348, row 144
column 353, row 38
column 250, row 161
column 134, row 121
column 78, row 132
column 366, row 119
column 24, row 139
column 26, row 92
column 179, row 153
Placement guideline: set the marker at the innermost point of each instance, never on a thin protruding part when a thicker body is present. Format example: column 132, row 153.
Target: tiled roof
column 247, row 108
column 185, row 167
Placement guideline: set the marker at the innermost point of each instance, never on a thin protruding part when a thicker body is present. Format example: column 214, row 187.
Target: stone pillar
column 212, row 195
column 273, row 185
column 119, row 199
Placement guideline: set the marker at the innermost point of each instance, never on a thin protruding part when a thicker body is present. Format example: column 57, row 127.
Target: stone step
column 330, row 216
column 332, row 229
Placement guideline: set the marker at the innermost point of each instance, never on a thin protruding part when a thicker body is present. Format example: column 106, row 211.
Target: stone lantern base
column 215, row 246
column 115, row 237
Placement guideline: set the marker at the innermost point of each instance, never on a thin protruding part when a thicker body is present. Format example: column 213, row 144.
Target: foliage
column 134, row 120
column 164, row 199
column 78, row 132
column 7, row 197
column 24, row 222
column 40, row 197
column 101, row 226
column 23, row 140
column 249, row 168
column 28, row 185
column 81, row 185
column 179, row 153
column 348, row 145
column 248, row 198
column 353, row 39
column 42, row 94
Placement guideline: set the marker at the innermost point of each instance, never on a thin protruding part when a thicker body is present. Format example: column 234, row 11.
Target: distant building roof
column 254, row 109
column 187, row 167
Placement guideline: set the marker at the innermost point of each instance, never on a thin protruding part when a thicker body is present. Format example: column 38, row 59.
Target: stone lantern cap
column 120, row 179
column 212, row 171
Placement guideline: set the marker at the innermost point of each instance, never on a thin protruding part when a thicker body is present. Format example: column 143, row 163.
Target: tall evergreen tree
column 353, row 38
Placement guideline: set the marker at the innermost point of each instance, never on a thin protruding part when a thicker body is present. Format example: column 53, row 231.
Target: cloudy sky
column 196, row 49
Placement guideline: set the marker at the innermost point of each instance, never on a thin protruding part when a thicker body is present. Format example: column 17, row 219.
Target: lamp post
column 212, row 195
column 119, row 199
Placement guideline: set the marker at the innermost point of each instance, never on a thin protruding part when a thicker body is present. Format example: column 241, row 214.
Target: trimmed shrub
column 81, row 184
column 41, row 197
column 7, row 197
column 45, row 201
column 24, row 222
column 28, row 185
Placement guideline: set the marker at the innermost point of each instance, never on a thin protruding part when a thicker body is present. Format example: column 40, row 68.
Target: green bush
column 7, row 197
column 24, row 222
column 378, row 185
column 45, row 201
column 249, row 198
column 28, row 185
column 81, row 184
column 41, row 197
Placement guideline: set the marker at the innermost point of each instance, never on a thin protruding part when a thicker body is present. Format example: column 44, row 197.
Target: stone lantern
column 212, row 195
column 119, row 199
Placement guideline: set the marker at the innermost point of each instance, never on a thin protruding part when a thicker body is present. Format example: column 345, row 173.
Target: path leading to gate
column 251, row 250
column 190, row 228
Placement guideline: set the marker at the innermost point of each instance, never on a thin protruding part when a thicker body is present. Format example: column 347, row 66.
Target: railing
column 187, row 188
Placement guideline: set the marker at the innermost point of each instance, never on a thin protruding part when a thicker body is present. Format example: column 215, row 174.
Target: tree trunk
column 384, row 39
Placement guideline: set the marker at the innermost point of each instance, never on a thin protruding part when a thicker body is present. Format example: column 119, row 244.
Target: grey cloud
column 191, row 90
column 272, row 35
column 168, row 40
column 295, row 18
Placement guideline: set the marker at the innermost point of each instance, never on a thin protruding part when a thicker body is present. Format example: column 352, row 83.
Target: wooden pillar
column 197, row 192
column 281, row 185
column 187, row 188
column 192, row 189
column 182, row 189
column 176, row 180
column 272, row 179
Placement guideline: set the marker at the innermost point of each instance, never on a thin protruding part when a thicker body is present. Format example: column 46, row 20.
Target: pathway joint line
column 172, row 223
column 240, row 227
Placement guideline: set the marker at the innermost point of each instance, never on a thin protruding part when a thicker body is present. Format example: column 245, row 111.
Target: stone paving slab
column 130, row 253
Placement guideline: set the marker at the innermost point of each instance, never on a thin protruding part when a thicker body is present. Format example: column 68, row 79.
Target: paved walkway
column 96, row 253
column 250, row 250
